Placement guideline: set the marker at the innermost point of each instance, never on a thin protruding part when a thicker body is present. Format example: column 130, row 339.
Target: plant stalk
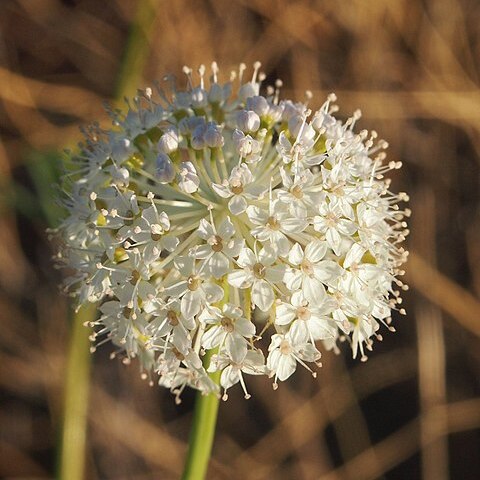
column 77, row 385
column 204, row 421
column 203, row 431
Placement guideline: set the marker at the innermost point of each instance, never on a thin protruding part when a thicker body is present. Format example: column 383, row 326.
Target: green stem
column 72, row 459
column 203, row 431
column 205, row 414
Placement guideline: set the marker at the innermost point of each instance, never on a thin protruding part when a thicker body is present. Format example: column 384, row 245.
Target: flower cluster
column 221, row 230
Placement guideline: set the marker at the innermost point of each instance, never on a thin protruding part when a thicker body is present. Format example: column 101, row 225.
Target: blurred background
column 413, row 410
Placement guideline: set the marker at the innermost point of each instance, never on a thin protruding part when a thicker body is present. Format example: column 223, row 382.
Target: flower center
column 216, row 243
column 227, row 324
column 193, row 282
column 297, row 191
column 285, row 348
column 273, row 223
column 156, row 232
column 135, row 277
column 259, row 270
column 303, row 313
column 172, row 318
column 236, row 187
column 307, row 268
column 331, row 219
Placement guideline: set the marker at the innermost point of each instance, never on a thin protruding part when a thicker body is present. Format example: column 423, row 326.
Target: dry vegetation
column 413, row 410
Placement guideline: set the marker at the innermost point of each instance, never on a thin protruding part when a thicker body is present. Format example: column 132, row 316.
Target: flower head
column 219, row 219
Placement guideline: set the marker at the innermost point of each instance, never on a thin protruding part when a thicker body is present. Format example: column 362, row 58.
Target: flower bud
column 168, row 142
column 213, row 137
column 248, row 121
column 258, row 104
column 164, row 170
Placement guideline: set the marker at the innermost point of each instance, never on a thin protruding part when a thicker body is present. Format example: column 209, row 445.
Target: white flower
column 220, row 247
column 240, row 188
column 232, row 365
column 273, row 226
column 188, row 180
column 248, row 121
column 285, row 352
column 228, row 328
column 308, row 321
column 310, row 271
column 333, row 225
column 196, row 290
column 258, row 273
column 247, row 147
column 216, row 217
column 301, row 194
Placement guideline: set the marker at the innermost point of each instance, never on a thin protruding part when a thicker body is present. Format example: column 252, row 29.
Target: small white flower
column 259, row 273
column 308, row 321
column 188, row 180
column 247, row 147
column 220, row 248
column 285, row 352
column 333, row 225
column 240, row 188
column 310, row 271
column 273, row 225
column 234, row 364
column 228, row 328
column 196, row 290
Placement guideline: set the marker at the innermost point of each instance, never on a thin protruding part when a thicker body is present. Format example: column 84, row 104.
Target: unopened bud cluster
column 218, row 219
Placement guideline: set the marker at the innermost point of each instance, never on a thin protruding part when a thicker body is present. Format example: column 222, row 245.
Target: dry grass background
column 413, row 410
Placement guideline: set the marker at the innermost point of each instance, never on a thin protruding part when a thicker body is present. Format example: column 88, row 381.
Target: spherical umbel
column 218, row 219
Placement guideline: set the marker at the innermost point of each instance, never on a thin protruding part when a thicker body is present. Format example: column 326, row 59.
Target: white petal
column 262, row 295
column 234, row 247
column 240, row 279
column 212, row 337
column 169, row 242
column 190, row 304
column 276, row 273
column 254, row 363
column 314, row 290
column 295, row 255
column 205, row 229
column 293, row 225
column 257, row 215
column 247, row 258
column 237, row 204
column 299, row 332
column 334, row 240
column 230, row 376
column 327, row 271
column 354, row 255
column 315, row 251
column 286, row 367
column 245, row 327
column 320, row 328
column 222, row 190
column 185, row 265
column 284, row 314
column 293, row 279
column 201, row 251
column 213, row 293
column 226, row 229
column 218, row 264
